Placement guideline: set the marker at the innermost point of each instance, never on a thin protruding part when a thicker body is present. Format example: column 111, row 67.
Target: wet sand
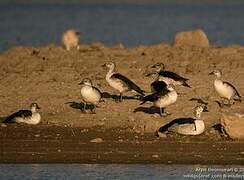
column 58, row 144
column 50, row 76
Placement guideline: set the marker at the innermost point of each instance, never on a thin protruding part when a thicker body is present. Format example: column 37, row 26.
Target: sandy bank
column 50, row 76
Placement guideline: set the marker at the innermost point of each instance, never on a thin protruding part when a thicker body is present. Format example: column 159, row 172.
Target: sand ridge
column 50, row 75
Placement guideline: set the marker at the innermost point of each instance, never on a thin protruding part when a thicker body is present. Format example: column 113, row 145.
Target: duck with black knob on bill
column 119, row 82
column 162, row 98
column 187, row 126
column 89, row 94
column 168, row 77
column 25, row 116
column 225, row 89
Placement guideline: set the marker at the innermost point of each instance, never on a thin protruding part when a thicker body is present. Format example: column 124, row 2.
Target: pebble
column 155, row 156
column 3, row 125
column 121, row 140
column 97, row 140
column 84, row 130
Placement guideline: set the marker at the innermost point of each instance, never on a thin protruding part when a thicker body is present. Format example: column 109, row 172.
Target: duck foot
column 164, row 114
column 84, row 111
column 93, row 111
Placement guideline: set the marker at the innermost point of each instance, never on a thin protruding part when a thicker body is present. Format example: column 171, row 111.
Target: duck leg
column 120, row 97
column 163, row 113
column 93, row 109
column 84, row 108
column 221, row 103
column 228, row 103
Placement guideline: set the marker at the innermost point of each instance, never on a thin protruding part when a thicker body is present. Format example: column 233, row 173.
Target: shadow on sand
column 107, row 95
column 80, row 105
column 150, row 110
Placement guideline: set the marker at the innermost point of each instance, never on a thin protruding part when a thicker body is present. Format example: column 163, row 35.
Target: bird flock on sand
column 163, row 94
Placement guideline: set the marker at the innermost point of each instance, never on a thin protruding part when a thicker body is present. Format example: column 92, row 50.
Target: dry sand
column 50, row 75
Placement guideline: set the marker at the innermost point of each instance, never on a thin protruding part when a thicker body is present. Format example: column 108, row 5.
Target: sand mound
column 50, row 76
column 191, row 38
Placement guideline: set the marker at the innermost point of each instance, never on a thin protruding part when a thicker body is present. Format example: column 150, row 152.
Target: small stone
column 233, row 125
column 84, row 130
column 59, row 150
column 121, row 140
column 191, row 38
column 155, row 156
column 97, row 140
column 37, row 135
column 3, row 125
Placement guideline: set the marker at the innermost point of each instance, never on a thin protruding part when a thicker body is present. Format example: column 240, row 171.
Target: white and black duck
column 187, row 126
column 25, row 116
column 120, row 82
column 162, row 99
column 168, row 77
column 224, row 89
column 89, row 94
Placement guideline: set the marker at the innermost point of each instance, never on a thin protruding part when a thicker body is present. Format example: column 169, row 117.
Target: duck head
column 199, row 109
column 86, row 81
column 216, row 73
column 34, row 107
column 159, row 66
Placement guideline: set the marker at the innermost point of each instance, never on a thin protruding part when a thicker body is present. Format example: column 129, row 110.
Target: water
column 117, row 171
column 38, row 24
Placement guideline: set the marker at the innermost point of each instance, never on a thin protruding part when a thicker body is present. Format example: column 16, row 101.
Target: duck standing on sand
column 187, row 126
column 25, row 116
column 224, row 89
column 89, row 94
column 70, row 39
column 120, row 82
column 168, row 76
column 162, row 98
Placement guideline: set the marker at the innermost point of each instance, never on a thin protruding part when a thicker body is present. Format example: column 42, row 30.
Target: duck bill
column 104, row 65
column 80, row 83
column 157, row 65
column 38, row 107
column 151, row 74
column 211, row 73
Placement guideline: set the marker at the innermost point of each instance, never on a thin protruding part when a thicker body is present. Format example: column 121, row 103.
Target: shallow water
column 118, row 171
column 43, row 23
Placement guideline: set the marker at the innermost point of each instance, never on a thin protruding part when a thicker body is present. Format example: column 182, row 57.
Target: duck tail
column 164, row 128
column 239, row 99
column 186, row 85
column 8, row 119
column 147, row 98
column 139, row 91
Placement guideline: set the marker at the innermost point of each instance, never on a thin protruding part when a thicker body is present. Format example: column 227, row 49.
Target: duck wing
column 237, row 93
column 97, row 90
column 128, row 83
column 151, row 97
column 20, row 114
column 172, row 75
